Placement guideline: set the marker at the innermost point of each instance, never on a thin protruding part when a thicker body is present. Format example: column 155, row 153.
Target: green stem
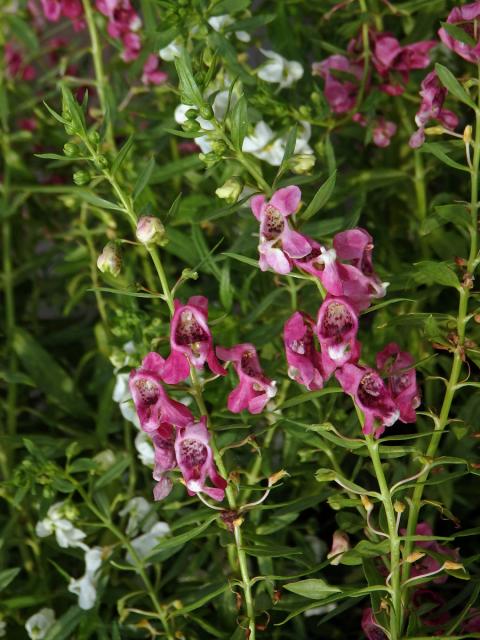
column 396, row 608
column 101, row 81
column 152, row 250
column 366, row 57
column 93, row 267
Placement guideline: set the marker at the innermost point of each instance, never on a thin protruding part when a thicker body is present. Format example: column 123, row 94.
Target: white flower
column 66, row 534
column 3, row 628
column 318, row 611
column 171, row 51
column 122, row 395
column 279, row 70
column 104, row 459
column 218, row 23
column 86, row 586
column 145, row 543
column 145, row 450
column 265, row 145
column 40, row 623
column 140, row 515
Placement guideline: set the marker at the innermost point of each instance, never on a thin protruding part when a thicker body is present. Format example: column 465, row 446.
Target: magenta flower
column 431, row 602
column 398, row 367
column 191, row 341
column 337, row 327
column 151, row 73
column 431, row 108
column 359, row 281
column 123, row 22
column 322, row 264
column 15, row 65
column 383, row 131
column 195, row 459
column 472, row 623
column 254, row 389
column 341, row 95
column 164, row 459
column 278, row 242
column 465, row 18
column 304, row 361
column 152, row 403
column 371, row 395
column 370, row 627
column 72, row 9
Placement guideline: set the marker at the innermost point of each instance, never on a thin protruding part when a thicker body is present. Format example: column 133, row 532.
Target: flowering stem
column 366, row 56
column 101, row 82
column 396, row 608
column 232, row 503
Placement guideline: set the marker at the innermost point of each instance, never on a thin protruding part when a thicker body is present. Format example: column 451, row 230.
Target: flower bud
column 191, row 114
column 101, row 162
column 340, row 544
column 188, row 274
column 231, row 190
column 302, row 163
column 81, row 177
column 70, row 149
column 69, row 130
column 219, row 147
column 414, row 556
column 190, row 125
column 110, row 260
column 467, row 134
column 210, row 158
column 435, row 131
column 94, row 137
column 206, row 111
column 150, row 230
column 399, row 506
column 367, row 504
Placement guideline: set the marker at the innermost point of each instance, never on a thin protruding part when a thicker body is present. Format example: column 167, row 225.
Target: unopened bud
column 467, row 134
column 150, row 230
column 276, row 477
column 191, row 126
column 414, row 556
column 367, row 503
column 219, row 147
column 435, row 131
column 231, row 190
column 189, row 274
column 206, row 112
column 210, row 158
column 302, row 163
column 191, row 114
column 81, row 177
column 70, row 149
column 110, row 260
column 399, row 506
column 340, row 544
column 452, row 566
column 101, row 162
column 94, row 137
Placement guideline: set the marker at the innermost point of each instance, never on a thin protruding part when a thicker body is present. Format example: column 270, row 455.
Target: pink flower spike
column 151, row 400
column 383, row 132
column 254, row 389
column 195, row 459
column 337, row 327
column 322, row 264
column 464, row 17
column 190, row 341
column 340, row 95
column 398, row 366
column 304, row 361
column 151, row 74
column 371, row 395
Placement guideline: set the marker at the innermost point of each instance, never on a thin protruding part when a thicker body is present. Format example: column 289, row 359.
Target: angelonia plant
column 239, row 245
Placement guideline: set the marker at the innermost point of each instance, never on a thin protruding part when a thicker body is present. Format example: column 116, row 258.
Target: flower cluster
column 346, row 272
column 123, row 24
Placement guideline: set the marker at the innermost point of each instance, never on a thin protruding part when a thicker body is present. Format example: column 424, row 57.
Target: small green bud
column 101, row 162
column 70, row 130
column 208, row 57
column 191, row 114
column 305, row 111
column 94, row 137
column 110, row 260
column 70, row 150
column 150, row 230
column 66, row 115
column 210, row 159
column 206, row 112
column 191, row 125
column 219, row 147
column 184, row 99
column 231, row 190
column 199, row 77
column 188, row 274
column 81, row 177
column 302, row 163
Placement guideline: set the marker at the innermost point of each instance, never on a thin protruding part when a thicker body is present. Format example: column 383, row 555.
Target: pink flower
column 151, row 74
column 254, row 389
column 195, row 459
column 383, row 131
column 465, row 17
column 360, row 283
column 132, row 46
column 275, row 230
column 371, row 395
column 341, row 95
column 433, row 602
column 398, row 367
column 337, row 327
column 321, row 263
column 429, row 564
column 370, row 627
column 340, row 544
column 72, row 9
column 191, row 341
column 431, row 108
column 152, row 403
column 123, row 21
column 472, row 624
column 304, row 361
column 16, row 67
column 164, row 459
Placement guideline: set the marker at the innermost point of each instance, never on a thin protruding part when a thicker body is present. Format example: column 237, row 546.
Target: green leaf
column 7, row 576
column 315, row 589
column 436, row 149
column 52, row 156
column 325, row 475
column 226, row 291
column 49, row 376
column 143, row 178
column 211, row 593
column 177, row 168
column 176, row 542
column 112, row 473
column 229, row 6
column 321, row 198
column 94, row 200
column 454, row 213
column 64, row 626
column 430, row 272
column 188, row 85
column 122, row 155
column 459, row 34
column 23, row 32
column 308, row 396
column 453, row 85
column 239, row 123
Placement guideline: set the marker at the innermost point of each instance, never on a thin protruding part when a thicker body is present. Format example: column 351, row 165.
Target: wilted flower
column 279, row 70
column 464, row 18
column 150, row 230
column 371, row 395
column 195, row 459
column 254, row 389
column 340, row 544
column 191, row 342
column 275, row 230
column 370, row 627
column 304, row 361
column 151, row 73
column 110, row 260
column 40, row 623
column 337, row 328
column 302, row 163
column 230, row 190
column 398, row 366
column 57, row 522
column 86, row 586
